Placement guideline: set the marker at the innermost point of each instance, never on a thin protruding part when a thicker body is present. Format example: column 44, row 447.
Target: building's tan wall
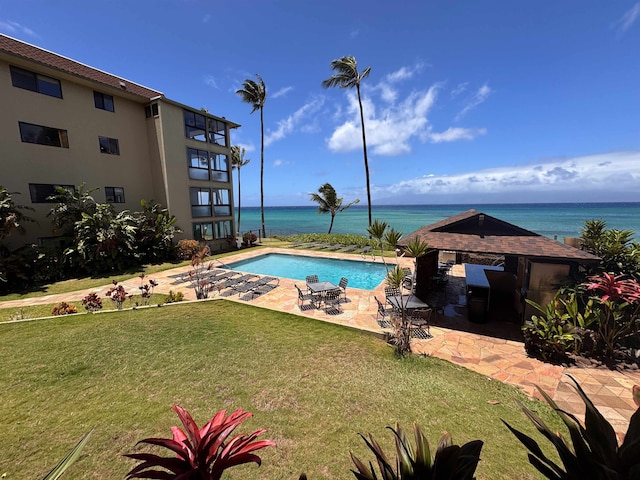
column 152, row 164
column 82, row 162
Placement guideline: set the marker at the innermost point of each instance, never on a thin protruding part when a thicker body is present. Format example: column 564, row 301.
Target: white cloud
column 294, row 122
column 395, row 122
column 461, row 88
column 278, row 163
column 281, row 92
column 12, row 27
column 481, row 95
column 453, row 134
column 628, row 19
column 211, row 81
column 389, row 131
column 585, row 178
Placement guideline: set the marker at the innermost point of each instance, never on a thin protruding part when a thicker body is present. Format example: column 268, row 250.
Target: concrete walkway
column 494, row 349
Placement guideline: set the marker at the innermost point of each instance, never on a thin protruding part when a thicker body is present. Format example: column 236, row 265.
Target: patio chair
column 335, row 247
column 349, row 248
column 381, row 315
column 305, row 296
column 312, row 279
column 420, row 325
column 343, row 286
column 331, row 301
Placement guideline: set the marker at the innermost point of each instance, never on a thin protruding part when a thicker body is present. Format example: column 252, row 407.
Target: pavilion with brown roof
column 533, row 264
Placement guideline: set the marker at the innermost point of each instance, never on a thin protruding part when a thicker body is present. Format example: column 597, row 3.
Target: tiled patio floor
column 493, row 349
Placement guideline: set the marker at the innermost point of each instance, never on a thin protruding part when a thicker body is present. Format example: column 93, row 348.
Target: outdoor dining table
column 410, row 302
column 320, row 288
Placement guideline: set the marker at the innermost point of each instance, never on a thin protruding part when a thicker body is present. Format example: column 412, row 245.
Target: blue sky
column 467, row 101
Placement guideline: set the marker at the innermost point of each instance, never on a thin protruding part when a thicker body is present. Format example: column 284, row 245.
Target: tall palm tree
column 237, row 162
column 347, row 76
column 255, row 93
column 328, row 202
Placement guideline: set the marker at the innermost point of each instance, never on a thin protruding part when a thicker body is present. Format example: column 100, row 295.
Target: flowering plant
column 117, row 294
column 92, row 302
column 63, row 308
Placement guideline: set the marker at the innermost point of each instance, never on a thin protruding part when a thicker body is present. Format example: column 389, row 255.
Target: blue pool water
column 361, row 274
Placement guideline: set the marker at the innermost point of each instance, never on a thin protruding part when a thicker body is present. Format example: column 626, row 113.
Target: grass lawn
column 313, row 386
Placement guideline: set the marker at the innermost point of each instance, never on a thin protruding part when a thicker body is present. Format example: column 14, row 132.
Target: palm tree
column 237, row 162
column 255, row 93
column 347, row 76
column 328, row 202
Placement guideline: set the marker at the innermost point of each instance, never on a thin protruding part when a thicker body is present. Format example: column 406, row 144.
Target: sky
column 467, row 101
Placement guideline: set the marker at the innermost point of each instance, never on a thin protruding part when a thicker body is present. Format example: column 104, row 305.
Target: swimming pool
column 361, row 274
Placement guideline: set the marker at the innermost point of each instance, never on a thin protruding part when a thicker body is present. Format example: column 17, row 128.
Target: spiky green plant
column 593, row 451
column 71, row 457
column 449, row 461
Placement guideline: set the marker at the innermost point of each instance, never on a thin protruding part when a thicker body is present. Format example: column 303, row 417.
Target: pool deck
column 494, row 349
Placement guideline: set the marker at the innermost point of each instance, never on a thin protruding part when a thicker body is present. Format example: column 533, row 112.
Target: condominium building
column 63, row 123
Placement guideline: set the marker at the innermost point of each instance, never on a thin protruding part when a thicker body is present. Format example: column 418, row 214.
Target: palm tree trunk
column 333, row 215
column 366, row 160
column 264, row 232
column 239, row 202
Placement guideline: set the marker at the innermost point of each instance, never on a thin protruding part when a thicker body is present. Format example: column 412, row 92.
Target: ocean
column 549, row 219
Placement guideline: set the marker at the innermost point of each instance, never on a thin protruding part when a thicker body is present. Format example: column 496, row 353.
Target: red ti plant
column 201, row 453
column 619, row 299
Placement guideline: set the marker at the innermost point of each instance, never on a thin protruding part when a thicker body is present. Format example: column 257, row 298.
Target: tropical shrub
column 448, row 462
column 92, row 303
column 173, row 297
column 63, row 308
column 620, row 254
column 155, row 232
column 12, row 216
column 69, row 207
column 198, row 275
column 146, row 289
column 186, row 249
column 117, row 294
column 551, row 334
column 200, row 453
column 249, row 238
column 592, row 452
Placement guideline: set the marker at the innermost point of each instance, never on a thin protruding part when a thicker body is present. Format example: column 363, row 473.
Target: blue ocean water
column 549, row 219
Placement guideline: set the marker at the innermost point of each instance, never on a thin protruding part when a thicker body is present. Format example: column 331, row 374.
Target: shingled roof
column 475, row 232
column 20, row 49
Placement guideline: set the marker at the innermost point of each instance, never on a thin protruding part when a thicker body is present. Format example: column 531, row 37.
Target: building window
column 109, row 145
column 200, row 202
column 114, row 194
column 217, row 132
column 198, row 164
column 219, row 167
column 103, row 101
column 212, row 231
column 221, row 204
column 35, row 82
column 195, row 126
column 54, row 137
column 203, row 231
column 151, row 110
column 40, row 192
column 205, row 165
column 222, row 229
column 204, row 129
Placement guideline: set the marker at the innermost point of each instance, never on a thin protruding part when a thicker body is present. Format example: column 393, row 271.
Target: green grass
column 313, row 386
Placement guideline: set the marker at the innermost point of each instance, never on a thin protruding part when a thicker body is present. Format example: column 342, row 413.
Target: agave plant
column 451, row 462
column 201, row 453
column 593, row 452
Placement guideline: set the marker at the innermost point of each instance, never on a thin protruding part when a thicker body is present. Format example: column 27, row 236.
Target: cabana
column 532, row 267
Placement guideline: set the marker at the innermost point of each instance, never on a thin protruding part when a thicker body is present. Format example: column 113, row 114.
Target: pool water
column 361, row 274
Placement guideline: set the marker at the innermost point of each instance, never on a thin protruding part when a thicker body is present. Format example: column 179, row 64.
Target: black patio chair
column 381, row 315
column 420, row 323
column 302, row 297
column 331, row 301
column 343, row 286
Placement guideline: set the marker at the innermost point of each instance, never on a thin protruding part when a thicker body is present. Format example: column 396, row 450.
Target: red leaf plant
column 615, row 287
column 201, row 454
